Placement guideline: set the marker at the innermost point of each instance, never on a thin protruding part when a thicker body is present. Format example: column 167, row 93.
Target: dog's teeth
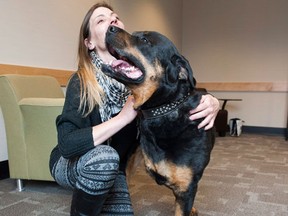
column 131, row 68
column 127, row 69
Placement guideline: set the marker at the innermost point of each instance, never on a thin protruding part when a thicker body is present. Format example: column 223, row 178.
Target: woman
column 97, row 130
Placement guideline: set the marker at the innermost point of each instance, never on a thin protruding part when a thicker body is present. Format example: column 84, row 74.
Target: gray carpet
column 247, row 175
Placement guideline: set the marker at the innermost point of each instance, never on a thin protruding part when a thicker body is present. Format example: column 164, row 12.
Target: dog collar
column 164, row 109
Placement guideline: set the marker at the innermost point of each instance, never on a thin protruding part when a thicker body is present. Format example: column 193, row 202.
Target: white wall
column 240, row 41
column 258, row 109
column 40, row 33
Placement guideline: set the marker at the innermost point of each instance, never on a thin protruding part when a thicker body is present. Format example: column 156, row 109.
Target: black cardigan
column 75, row 131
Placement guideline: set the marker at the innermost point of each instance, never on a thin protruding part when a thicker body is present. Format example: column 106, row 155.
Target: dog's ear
column 183, row 74
column 184, row 69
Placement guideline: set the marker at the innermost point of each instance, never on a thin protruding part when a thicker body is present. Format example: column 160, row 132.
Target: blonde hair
column 91, row 92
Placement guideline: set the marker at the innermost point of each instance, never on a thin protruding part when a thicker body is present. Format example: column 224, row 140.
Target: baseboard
column 4, row 169
column 264, row 130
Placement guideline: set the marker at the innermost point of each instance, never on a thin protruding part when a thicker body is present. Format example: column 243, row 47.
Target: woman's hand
column 105, row 130
column 207, row 109
column 128, row 113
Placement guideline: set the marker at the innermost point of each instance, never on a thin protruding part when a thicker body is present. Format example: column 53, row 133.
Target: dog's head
column 149, row 64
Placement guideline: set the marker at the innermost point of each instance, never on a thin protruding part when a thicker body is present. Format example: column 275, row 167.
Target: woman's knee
column 98, row 169
column 100, row 158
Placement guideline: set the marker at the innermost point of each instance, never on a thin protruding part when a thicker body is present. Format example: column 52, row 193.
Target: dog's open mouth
column 124, row 65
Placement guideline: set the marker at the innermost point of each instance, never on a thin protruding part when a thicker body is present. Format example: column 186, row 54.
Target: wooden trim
column 245, row 86
column 61, row 75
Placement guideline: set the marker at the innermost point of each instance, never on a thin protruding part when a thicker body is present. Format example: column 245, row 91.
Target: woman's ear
column 88, row 44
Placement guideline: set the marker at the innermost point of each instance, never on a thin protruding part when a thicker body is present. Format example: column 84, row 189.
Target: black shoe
column 84, row 204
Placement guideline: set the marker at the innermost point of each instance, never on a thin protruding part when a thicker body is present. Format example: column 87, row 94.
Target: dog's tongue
column 124, row 67
column 120, row 63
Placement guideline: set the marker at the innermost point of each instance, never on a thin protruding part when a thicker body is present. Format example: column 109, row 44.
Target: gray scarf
column 116, row 93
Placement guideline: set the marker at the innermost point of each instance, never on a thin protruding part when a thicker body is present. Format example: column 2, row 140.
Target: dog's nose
column 113, row 29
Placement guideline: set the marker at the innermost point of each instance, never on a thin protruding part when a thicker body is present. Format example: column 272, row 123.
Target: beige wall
column 240, row 41
column 153, row 15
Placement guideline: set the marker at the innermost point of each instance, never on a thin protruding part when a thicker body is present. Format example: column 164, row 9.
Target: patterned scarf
column 116, row 93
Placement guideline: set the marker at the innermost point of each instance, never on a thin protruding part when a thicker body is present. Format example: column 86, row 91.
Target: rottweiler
column 161, row 80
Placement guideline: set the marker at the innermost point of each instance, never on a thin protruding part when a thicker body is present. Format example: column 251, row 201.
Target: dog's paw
column 194, row 212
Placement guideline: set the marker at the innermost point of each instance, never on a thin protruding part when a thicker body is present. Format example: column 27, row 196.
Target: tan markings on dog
column 178, row 177
column 178, row 211
column 181, row 177
column 153, row 73
column 194, row 212
column 148, row 163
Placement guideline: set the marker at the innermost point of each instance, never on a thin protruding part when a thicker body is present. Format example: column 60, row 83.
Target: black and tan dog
column 175, row 151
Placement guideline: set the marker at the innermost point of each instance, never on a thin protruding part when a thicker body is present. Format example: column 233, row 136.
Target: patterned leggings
column 96, row 173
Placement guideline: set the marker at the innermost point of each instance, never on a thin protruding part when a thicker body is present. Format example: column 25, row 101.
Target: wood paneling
column 63, row 75
column 245, row 86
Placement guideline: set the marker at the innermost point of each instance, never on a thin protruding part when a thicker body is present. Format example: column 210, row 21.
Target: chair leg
column 20, row 186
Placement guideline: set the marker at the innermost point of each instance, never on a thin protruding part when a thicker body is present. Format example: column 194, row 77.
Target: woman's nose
column 114, row 21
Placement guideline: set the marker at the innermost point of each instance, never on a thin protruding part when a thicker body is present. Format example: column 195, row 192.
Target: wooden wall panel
column 245, row 86
column 63, row 75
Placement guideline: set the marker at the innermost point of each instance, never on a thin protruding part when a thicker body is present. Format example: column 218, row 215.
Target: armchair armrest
column 39, row 117
column 44, row 102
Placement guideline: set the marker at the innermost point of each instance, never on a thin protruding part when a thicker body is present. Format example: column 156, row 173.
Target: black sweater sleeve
column 75, row 131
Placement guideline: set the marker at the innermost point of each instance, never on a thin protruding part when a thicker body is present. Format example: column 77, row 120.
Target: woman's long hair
column 91, row 92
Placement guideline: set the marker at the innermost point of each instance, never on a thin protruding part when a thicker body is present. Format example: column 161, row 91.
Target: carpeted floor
column 247, row 175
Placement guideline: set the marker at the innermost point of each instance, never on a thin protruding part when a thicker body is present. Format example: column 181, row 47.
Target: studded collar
column 164, row 109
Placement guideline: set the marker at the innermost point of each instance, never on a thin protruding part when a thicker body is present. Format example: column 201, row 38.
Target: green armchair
column 30, row 105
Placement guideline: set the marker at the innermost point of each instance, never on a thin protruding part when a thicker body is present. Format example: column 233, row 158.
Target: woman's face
column 100, row 20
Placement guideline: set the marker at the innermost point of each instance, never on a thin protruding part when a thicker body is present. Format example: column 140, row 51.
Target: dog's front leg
column 181, row 209
column 184, row 205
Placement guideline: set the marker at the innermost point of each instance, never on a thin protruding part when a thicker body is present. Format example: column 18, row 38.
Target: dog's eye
column 143, row 39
